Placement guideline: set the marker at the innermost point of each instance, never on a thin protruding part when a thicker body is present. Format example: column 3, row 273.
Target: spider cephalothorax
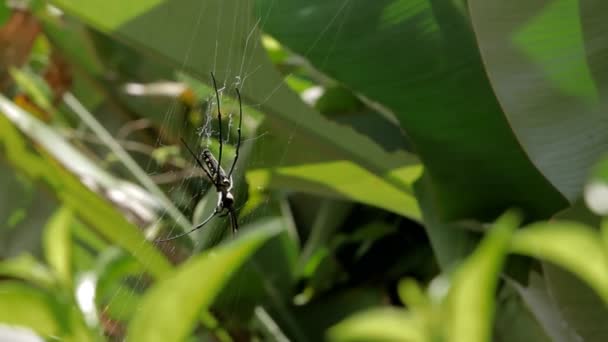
column 216, row 174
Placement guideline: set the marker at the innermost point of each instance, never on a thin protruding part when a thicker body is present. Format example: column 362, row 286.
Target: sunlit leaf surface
column 573, row 246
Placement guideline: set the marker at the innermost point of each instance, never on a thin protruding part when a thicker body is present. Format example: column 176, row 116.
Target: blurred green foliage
column 411, row 170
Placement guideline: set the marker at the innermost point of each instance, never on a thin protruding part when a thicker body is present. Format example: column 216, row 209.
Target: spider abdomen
column 216, row 172
column 211, row 162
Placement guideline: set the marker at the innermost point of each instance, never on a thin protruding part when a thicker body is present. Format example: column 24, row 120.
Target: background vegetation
column 411, row 170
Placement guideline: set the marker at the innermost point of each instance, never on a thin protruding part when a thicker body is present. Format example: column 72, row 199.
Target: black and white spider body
column 223, row 183
column 216, row 174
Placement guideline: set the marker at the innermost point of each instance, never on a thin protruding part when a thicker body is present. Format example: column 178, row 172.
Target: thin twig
column 132, row 126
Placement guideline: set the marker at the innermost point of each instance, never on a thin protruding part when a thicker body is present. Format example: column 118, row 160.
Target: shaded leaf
column 265, row 278
column 545, row 60
column 24, row 210
column 413, row 57
column 581, row 308
column 451, row 242
column 335, row 308
column 528, row 313
column 329, row 217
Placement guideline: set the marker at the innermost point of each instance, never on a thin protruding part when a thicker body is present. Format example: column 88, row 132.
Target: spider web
column 208, row 131
column 206, row 134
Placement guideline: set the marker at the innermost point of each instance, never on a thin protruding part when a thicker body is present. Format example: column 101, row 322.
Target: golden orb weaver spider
column 216, row 174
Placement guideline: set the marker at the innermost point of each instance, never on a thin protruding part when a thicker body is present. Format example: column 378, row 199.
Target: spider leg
column 198, row 161
column 238, row 142
column 199, row 226
column 219, row 119
column 233, row 221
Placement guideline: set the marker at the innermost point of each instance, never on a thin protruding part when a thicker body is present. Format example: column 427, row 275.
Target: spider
column 216, row 174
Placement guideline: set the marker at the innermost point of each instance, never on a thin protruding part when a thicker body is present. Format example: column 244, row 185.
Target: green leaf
column 546, row 63
column 413, row 57
column 266, row 277
column 382, row 325
column 24, row 210
column 451, row 241
column 63, row 34
column 337, row 101
column 46, row 313
column 582, row 310
column 334, row 308
column 122, row 302
column 26, row 306
column 571, row 245
column 26, row 267
column 186, row 293
column 528, row 313
column 114, row 292
column 342, row 179
column 33, row 86
column 5, row 12
column 471, row 297
column 57, row 244
column 578, row 305
column 330, row 215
